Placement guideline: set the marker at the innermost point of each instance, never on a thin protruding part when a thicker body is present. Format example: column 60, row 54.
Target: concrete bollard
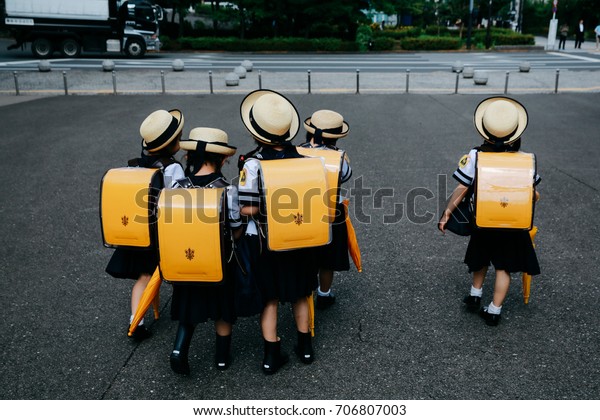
column 240, row 71
column 108, row 65
column 480, row 77
column 232, row 79
column 247, row 64
column 457, row 67
column 178, row 65
column 524, row 67
column 468, row 73
column 44, row 65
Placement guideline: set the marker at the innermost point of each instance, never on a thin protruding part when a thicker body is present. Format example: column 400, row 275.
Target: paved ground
column 399, row 330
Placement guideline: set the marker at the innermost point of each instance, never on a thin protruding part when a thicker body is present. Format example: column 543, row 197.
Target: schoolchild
column 161, row 132
column 192, row 303
column 323, row 129
column 500, row 121
column 288, row 276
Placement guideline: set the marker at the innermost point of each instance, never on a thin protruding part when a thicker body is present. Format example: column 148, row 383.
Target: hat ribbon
column 498, row 139
column 266, row 134
column 318, row 134
column 166, row 135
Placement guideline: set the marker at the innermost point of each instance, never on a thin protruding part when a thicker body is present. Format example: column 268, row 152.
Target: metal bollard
column 114, row 79
column 16, row 82
column 556, row 83
column 162, row 81
column 308, row 81
column 456, row 84
column 357, row 81
column 506, row 83
column 259, row 80
column 210, row 81
column 65, row 82
column 407, row 79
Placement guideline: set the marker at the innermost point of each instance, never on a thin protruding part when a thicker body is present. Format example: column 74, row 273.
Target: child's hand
column 443, row 221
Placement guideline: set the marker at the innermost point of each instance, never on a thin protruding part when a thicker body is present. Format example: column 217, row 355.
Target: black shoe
column 179, row 363
column 274, row 358
column 490, row 319
column 472, row 303
column 324, row 302
column 222, row 354
column 304, row 349
column 141, row 333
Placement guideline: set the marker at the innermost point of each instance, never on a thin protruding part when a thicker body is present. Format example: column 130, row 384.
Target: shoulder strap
column 218, row 183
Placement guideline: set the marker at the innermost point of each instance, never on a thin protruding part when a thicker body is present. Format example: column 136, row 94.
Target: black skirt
column 131, row 263
column 285, row 275
column 334, row 256
column 194, row 303
column 511, row 251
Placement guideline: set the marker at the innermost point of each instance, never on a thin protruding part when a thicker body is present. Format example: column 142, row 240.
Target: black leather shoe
column 274, row 357
column 141, row 333
column 490, row 319
column 324, row 302
column 304, row 349
column 179, row 363
column 472, row 303
column 222, row 354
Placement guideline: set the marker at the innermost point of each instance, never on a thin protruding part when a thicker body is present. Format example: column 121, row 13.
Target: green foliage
column 400, row 33
column 266, row 44
column 383, row 44
column 429, row 43
column 435, row 30
column 503, row 37
column 364, row 34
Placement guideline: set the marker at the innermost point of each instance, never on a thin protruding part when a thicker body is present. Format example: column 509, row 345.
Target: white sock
column 131, row 320
column 495, row 310
column 476, row 292
column 320, row 293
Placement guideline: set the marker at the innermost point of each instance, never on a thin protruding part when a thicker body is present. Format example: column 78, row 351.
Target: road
column 16, row 60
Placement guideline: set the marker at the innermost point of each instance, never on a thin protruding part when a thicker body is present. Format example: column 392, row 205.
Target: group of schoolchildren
column 292, row 276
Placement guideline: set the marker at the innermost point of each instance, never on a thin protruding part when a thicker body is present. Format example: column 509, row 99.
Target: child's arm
column 457, row 195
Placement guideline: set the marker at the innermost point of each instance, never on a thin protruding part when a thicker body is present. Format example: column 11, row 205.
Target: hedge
column 401, row 33
column 266, row 44
column 428, row 43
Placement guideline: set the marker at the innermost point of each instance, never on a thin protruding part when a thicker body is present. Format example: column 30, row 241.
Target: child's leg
column 479, row 278
column 325, row 280
column 268, row 321
column 223, row 328
column 501, row 287
column 300, row 308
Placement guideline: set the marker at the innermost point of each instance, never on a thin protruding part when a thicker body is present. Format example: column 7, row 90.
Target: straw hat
column 160, row 128
column 500, row 120
column 270, row 117
column 331, row 124
column 212, row 139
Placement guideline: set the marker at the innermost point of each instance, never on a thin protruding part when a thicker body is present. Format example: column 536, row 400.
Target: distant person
column 562, row 36
column 579, row 31
column 597, row 33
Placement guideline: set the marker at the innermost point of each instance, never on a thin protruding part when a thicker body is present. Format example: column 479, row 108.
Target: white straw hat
column 331, row 124
column 500, row 120
column 160, row 128
column 270, row 117
column 213, row 140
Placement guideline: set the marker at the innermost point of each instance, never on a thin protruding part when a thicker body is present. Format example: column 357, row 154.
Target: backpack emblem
column 125, row 220
column 504, row 202
column 189, row 254
column 298, row 219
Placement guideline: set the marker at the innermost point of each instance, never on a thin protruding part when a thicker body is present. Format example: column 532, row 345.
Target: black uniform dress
column 509, row 250
column 194, row 303
column 130, row 263
column 284, row 275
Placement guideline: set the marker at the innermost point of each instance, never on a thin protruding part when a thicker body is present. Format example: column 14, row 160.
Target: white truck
column 72, row 26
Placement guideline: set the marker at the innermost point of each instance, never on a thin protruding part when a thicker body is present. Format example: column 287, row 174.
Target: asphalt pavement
column 398, row 330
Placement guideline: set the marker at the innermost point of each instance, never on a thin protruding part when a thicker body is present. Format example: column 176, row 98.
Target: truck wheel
column 70, row 48
column 135, row 48
column 42, row 48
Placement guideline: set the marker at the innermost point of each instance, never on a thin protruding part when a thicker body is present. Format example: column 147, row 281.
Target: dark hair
column 501, row 147
column 326, row 141
column 196, row 160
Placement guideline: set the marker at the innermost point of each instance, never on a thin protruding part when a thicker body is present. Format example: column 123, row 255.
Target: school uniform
column 287, row 275
column 509, row 250
column 130, row 263
column 334, row 256
column 194, row 303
